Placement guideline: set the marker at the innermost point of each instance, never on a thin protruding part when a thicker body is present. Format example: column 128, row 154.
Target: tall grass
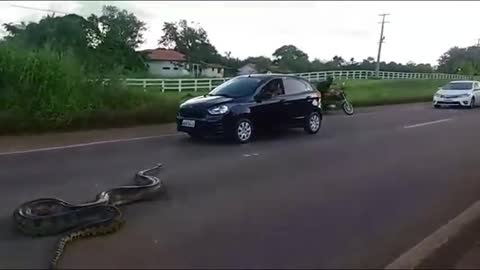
column 42, row 90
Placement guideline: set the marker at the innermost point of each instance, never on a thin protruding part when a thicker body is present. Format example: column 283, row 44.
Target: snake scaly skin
column 108, row 224
column 51, row 216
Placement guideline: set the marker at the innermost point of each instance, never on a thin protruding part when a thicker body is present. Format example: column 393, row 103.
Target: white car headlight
column 464, row 95
column 437, row 95
column 222, row 109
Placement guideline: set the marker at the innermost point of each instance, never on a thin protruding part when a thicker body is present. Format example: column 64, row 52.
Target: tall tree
column 115, row 35
column 338, row 61
column 232, row 64
column 317, row 65
column 262, row 63
column 292, row 58
column 63, row 33
column 192, row 41
column 115, row 25
column 460, row 60
column 102, row 43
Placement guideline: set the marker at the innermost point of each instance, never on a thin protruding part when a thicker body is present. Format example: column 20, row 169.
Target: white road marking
column 87, row 144
column 428, row 123
column 251, row 155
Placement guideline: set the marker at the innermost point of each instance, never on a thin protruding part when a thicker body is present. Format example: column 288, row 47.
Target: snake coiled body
column 51, row 216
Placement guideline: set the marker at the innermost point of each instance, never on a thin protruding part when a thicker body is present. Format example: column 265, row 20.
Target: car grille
column 450, row 96
column 192, row 112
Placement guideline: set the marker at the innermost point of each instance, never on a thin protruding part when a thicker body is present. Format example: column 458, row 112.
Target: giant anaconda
column 51, row 216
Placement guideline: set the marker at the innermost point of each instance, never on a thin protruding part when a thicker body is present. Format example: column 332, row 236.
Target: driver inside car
column 275, row 89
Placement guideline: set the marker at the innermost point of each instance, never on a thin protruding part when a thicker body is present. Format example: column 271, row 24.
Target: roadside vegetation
column 43, row 91
column 52, row 72
column 384, row 92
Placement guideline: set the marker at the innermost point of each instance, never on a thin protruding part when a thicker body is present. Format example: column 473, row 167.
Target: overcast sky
column 419, row 31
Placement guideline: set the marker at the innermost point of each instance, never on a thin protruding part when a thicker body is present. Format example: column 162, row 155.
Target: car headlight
column 437, row 95
column 222, row 109
column 464, row 95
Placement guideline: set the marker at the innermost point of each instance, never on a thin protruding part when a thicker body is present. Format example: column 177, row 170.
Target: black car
column 239, row 106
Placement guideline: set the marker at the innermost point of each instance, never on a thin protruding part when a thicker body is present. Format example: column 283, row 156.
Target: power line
column 39, row 9
column 382, row 38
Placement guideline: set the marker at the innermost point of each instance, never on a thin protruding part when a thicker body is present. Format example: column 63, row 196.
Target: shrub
column 43, row 90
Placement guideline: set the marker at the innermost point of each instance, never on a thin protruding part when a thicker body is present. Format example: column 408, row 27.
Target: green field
column 384, row 92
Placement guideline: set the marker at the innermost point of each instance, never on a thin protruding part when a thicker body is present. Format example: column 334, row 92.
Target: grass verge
column 385, row 92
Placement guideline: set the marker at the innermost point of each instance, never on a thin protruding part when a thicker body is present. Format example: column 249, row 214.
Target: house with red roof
column 170, row 63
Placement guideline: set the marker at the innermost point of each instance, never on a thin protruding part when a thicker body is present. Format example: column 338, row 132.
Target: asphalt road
column 356, row 195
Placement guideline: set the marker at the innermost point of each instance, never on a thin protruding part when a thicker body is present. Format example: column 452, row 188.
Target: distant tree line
column 109, row 43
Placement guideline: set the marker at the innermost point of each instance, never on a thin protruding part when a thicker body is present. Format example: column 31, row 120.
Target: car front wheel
column 472, row 103
column 243, row 131
column 313, row 123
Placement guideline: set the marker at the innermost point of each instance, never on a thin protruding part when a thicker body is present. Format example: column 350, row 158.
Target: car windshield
column 237, row 87
column 458, row 86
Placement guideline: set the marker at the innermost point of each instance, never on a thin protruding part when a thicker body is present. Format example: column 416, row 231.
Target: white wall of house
column 166, row 69
column 247, row 69
column 169, row 69
column 215, row 72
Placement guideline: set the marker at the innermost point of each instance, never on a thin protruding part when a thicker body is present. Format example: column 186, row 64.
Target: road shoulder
column 9, row 144
column 449, row 247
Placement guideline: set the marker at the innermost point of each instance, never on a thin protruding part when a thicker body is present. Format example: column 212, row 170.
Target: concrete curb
column 444, row 247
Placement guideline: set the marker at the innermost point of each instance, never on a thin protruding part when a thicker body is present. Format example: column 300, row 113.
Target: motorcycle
column 333, row 98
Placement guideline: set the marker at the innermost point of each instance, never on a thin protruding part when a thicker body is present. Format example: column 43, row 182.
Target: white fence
column 179, row 85
column 385, row 75
column 207, row 84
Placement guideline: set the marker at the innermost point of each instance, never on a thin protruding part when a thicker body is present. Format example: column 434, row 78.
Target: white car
column 459, row 93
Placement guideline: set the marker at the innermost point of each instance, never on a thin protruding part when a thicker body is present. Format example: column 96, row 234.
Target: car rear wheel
column 313, row 123
column 243, row 131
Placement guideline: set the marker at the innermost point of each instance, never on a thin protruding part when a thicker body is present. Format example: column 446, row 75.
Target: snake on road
column 52, row 216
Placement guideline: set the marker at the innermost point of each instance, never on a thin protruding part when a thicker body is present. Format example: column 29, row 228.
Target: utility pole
column 478, row 42
column 377, row 68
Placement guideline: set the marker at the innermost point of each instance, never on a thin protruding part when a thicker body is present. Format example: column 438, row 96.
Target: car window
column 274, row 87
column 477, row 85
column 237, row 87
column 458, row 86
column 295, row 86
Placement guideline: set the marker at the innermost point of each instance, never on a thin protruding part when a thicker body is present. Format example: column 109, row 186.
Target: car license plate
column 188, row 123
